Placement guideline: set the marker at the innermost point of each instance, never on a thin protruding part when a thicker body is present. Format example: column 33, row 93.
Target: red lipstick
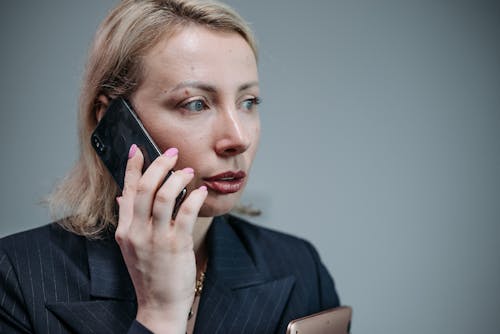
column 227, row 182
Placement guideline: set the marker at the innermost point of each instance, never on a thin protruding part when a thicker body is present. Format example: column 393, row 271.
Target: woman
column 116, row 262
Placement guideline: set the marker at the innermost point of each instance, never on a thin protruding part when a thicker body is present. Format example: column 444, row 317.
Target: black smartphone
column 118, row 129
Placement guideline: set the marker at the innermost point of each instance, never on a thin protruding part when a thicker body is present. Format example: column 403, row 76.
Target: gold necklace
column 197, row 291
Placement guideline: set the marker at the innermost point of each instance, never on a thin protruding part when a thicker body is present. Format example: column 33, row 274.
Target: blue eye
column 249, row 104
column 195, row 106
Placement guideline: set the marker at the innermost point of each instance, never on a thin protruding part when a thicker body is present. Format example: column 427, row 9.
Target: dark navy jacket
column 257, row 280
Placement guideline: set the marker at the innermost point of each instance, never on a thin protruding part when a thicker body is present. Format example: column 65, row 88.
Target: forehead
column 197, row 53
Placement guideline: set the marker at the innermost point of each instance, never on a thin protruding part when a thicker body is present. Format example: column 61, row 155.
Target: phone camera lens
column 98, row 145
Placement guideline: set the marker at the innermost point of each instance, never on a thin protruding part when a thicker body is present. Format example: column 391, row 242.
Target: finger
column 123, row 223
column 159, row 168
column 133, row 171
column 188, row 212
column 150, row 181
column 164, row 200
column 125, row 202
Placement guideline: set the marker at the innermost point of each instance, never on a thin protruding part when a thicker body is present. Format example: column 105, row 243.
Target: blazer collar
column 238, row 295
column 112, row 307
column 229, row 263
column 109, row 277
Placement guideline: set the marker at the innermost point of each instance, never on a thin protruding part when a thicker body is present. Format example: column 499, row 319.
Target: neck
column 200, row 230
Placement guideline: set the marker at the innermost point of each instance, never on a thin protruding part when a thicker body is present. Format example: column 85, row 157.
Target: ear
column 102, row 105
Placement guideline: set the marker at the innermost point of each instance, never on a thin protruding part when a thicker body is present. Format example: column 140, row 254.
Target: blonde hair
column 84, row 201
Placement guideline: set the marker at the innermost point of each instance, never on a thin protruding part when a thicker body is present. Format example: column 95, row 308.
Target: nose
column 233, row 136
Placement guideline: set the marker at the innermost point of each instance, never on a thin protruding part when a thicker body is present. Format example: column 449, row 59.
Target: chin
column 212, row 212
column 218, row 205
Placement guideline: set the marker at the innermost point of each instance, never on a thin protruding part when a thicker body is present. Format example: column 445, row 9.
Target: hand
column 157, row 250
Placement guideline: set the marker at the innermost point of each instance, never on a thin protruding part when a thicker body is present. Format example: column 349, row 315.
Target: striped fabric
column 52, row 281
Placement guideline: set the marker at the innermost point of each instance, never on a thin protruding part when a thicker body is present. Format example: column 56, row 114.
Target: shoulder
column 23, row 241
column 37, row 240
column 280, row 254
column 44, row 254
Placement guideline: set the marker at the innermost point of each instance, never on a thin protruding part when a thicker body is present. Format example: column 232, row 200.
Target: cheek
column 249, row 155
column 182, row 138
column 256, row 138
column 257, row 134
column 192, row 146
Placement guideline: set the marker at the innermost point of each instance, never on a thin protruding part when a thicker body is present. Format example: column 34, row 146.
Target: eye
column 195, row 105
column 250, row 104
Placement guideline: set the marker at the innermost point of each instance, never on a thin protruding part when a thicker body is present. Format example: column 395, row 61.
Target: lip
column 227, row 182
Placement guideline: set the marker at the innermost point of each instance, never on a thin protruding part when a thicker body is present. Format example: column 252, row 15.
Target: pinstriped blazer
column 257, row 280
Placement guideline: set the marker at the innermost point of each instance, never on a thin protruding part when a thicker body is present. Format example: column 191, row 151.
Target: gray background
column 380, row 143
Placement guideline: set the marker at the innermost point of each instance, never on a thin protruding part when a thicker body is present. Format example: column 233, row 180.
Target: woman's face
column 199, row 93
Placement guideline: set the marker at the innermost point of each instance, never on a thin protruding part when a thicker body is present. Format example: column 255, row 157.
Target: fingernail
column 171, row 152
column 204, row 188
column 188, row 170
column 132, row 151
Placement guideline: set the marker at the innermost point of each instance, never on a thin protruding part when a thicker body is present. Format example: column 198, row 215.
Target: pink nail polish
column 132, row 151
column 188, row 170
column 204, row 188
column 171, row 152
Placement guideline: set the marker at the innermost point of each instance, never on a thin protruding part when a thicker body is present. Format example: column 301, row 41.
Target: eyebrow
column 208, row 87
column 248, row 85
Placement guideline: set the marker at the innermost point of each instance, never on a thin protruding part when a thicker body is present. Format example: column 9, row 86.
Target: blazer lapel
column 99, row 316
column 238, row 296
column 109, row 277
column 113, row 308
